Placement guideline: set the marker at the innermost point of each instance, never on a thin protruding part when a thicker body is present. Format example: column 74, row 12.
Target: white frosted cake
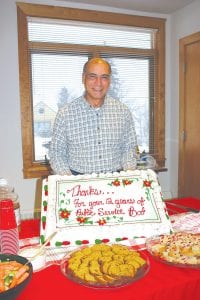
column 91, row 209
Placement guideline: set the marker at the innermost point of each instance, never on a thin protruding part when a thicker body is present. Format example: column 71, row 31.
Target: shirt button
column 99, row 143
column 97, row 128
column 100, row 156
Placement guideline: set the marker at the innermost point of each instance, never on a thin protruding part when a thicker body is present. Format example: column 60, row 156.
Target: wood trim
column 56, row 12
column 181, row 114
column 30, row 169
column 160, row 99
column 52, row 47
column 25, row 96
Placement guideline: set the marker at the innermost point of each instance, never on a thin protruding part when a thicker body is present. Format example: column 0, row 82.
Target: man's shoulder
column 71, row 105
column 117, row 103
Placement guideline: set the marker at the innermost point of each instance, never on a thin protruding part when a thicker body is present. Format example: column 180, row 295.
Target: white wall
column 10, row 130
column 186, row 21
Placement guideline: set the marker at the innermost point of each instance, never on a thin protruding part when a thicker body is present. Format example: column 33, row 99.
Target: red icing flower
column 116, row 182
column 101, row 222
column 64, row 214
column 81, row 220
column 147, row 183
column 126, row 181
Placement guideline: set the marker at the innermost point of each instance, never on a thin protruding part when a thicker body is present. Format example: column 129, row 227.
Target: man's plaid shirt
column 90, row 140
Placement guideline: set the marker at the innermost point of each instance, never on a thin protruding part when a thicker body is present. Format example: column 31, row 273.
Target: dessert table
column 163, row 281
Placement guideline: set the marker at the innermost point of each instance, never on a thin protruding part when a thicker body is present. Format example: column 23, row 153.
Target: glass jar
column 5, row 188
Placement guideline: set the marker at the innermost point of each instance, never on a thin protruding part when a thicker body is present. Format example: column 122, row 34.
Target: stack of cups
column 7, row 192
column 9, row 237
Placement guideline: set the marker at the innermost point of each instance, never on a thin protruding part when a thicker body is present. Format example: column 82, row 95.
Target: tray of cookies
column 105, row 265
column 181, row 249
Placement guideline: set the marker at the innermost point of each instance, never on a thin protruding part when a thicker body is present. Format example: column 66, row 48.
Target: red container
column 9, row 236
column 7, row 215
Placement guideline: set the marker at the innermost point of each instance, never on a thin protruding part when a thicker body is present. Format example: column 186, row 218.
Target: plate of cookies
column 104, row 265
column 181, row 249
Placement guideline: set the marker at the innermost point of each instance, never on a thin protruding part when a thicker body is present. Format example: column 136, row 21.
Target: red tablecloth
column 163, row 282
column 188, row 202
column 29, row 228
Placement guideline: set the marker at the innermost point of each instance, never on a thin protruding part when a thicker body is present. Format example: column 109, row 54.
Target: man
column 94, row 133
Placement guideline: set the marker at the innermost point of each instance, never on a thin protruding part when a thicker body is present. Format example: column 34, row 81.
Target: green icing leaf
column 97, row 241
column 118, row 239
column 58, row 244
column 78, row 242
column 42, row 239
column 43, row 219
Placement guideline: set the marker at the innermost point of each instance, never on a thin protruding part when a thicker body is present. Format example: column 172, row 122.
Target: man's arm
column 129, row 155
column 58, row 148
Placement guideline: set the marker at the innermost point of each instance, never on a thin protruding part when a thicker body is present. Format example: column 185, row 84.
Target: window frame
column 32, row 169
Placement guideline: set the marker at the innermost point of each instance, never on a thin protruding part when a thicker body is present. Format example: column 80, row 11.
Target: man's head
column 96, row 79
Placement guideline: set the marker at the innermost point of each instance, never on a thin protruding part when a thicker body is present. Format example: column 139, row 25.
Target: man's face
column 96, row 80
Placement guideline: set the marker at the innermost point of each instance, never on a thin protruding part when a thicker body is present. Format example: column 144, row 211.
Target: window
column 55, row 43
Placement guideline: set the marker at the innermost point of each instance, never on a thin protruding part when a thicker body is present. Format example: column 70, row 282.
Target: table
column 163, row 282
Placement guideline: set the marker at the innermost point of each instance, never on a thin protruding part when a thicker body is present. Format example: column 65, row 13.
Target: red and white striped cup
column 9, row 236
